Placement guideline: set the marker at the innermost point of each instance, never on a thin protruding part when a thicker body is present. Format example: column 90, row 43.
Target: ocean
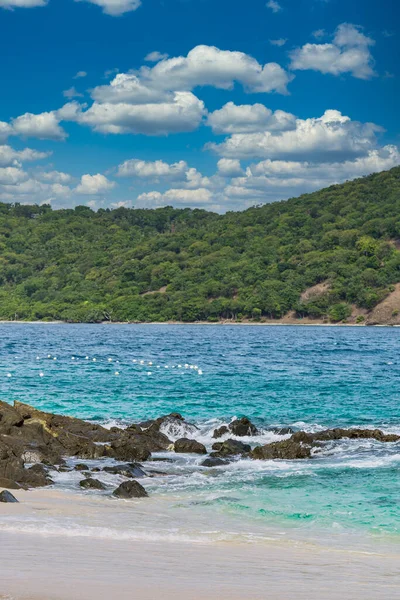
column 308, row 378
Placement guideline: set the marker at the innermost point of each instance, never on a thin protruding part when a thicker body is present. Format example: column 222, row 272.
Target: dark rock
column 286, row 450
column 220, row 431
column 230, row 447
column 353, row 434
column 242, row 427
column 9, row 418
column 92, row 484
column 81, row 467
column 214, row 461
column 282, row 430
column 130, row 489
column 128, row 449
column 129, row 470
column 36, row 476
column 7, row 496
column 184, row 445
column 8, row 483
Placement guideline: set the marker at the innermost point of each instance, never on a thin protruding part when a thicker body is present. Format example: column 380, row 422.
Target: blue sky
column 213, row 104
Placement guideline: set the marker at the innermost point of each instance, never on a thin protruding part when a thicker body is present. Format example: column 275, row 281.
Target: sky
column 213, row 104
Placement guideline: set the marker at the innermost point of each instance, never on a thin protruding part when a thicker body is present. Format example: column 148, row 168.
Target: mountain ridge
column 166, row 264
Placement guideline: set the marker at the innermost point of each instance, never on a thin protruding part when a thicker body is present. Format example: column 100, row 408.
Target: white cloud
column 5, row 131
column 17, row 185
column 210, row 66
column 184, row 112
column 115, row 8
column 94, row 184
column 152, row 169
column 348, row 53
column 55, row 177
column 279, row 42
column 80, row 74
column 332, row 136
column 12, row 175
column 11, row 4
column 274, row 6
column 272, row 180
column 44, row 126
column 128, row 88
column 319, row 33
column 14, row 158
column 158, row 170
column 248, row 118
column 72, row 92
column 200, row 197
column 230, row 167
column 158, row 100
column 155, row 56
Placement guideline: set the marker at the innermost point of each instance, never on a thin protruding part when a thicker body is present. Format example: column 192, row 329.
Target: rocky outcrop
column 285, row 450
column 128, row 470
column 92, row 484
column 220, row 432
column 184, row 445
column 301, row 443
column 7, row 496
column 230, row 447
column 130, row 489
column 8, row 483
column 214, row 461
column 242, row 427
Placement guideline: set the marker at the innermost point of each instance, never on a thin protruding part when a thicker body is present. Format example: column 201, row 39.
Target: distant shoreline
column 220, row 323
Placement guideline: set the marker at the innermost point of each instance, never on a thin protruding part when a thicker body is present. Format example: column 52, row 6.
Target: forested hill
column 190, row 265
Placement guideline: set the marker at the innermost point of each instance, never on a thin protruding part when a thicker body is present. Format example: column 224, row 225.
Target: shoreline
column 52, row 566
column 219, row 323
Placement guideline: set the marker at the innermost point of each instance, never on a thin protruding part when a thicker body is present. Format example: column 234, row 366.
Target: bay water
column 308, row 378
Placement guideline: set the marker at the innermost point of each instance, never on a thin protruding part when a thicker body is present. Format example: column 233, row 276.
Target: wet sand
column 55, row 566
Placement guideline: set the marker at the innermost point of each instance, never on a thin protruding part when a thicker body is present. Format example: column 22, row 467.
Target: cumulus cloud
column 115, row 8
column 279, row 42
column 44, row 126
column 72, row 92
column 159, row 100
column 319, row 33
column 332, row 136
column 80, row 75
column 158, row 170
column 11, row 4
column 94, row 184
column 183, row 112
column 248, row 118
column 230, row 167
column 349, row 52
column 12, row 175
column 155, row 56
column 5, row 131
column 210, row 66
column 200, row 197
column 14, row 158
column 271, row 180
column 55, row 177
column 17, row 185
column 274, row 6
column 152, row 169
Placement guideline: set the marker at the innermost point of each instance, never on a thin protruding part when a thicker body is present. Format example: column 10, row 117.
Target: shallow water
column 309, row 378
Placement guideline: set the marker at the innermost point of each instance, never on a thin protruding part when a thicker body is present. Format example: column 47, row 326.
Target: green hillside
column 78, row 265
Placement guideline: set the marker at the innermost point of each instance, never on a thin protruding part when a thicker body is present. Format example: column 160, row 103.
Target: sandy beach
column 57, row 563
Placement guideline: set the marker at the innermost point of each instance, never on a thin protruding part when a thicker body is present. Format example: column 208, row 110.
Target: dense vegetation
column 79, row 265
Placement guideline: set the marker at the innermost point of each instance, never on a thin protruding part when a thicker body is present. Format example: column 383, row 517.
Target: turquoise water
column 307, row 377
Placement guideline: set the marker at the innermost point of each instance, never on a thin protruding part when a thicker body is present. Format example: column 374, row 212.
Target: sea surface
column 309, row 378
